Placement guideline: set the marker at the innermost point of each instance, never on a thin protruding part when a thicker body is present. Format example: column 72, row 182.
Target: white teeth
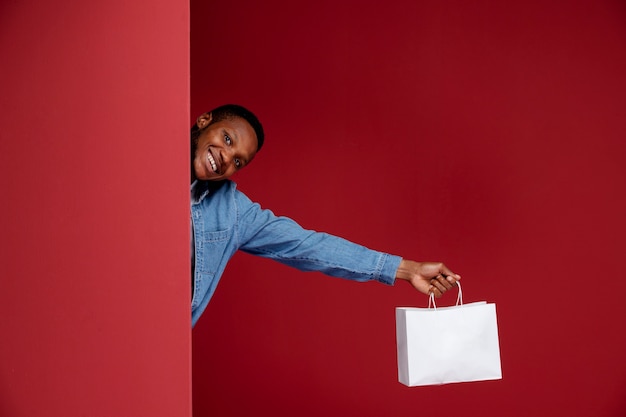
column 212, row 161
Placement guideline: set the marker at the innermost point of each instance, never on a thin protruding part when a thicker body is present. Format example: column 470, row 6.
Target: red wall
column 94, row 289
column 486, row 134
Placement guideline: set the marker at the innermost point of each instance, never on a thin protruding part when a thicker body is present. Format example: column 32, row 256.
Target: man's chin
column 206, row 175
column 212, row 177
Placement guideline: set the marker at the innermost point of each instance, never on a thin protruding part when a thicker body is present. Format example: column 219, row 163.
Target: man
column 224, row 220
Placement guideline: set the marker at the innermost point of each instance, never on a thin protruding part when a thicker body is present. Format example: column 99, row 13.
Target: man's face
column 223, row 147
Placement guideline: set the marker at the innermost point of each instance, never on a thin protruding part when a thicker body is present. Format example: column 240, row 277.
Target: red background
column 489, row 135
column 94, row 258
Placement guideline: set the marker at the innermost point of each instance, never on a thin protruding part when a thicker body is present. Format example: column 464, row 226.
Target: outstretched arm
column 280, row 238
column 427, row 277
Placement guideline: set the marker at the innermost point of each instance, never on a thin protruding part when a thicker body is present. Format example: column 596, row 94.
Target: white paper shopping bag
column 441, row 345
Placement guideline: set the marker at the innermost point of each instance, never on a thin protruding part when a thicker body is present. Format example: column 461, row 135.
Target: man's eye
column 228, row 139
column 238, row 163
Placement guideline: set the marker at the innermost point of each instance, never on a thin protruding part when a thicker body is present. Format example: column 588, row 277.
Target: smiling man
column 224, row 220
column 224, row 144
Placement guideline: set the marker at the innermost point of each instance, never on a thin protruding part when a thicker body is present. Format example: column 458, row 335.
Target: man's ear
column 204, row 120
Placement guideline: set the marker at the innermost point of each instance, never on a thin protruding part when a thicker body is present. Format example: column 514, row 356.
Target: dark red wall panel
column 489, row 135
column 94, row 292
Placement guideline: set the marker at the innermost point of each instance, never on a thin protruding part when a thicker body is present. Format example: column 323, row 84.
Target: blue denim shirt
column 224, row 220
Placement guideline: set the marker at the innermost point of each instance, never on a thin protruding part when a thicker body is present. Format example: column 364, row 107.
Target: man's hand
column 427, row 277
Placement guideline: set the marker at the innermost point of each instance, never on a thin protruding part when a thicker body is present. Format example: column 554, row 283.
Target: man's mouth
column 212, row 161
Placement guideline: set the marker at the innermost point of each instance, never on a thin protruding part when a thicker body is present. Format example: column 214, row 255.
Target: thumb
column 448, row 273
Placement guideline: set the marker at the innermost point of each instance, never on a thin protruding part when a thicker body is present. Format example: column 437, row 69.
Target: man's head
column 224, row 141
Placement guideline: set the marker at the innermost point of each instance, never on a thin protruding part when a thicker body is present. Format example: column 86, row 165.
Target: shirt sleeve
column 262, row 233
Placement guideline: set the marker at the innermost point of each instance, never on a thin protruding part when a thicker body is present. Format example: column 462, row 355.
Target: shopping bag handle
column 459, row 298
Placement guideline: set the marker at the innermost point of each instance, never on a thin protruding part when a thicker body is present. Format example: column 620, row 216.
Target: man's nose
column 227, row 156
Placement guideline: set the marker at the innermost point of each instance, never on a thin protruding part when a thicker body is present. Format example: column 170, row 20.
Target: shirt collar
column 200, row 189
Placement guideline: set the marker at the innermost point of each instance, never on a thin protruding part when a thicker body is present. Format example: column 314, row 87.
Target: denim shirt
column 225, row 220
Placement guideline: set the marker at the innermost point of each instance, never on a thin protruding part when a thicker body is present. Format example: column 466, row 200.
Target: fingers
column 446, row 272
column 440, row 284
column 435, row 291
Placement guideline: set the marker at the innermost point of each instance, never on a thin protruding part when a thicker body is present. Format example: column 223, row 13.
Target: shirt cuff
column 389, row 265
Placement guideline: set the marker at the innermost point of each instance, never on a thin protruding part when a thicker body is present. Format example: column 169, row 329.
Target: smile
column 212, row 161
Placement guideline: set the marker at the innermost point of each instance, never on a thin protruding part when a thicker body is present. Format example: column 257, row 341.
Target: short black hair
column 229, row 111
